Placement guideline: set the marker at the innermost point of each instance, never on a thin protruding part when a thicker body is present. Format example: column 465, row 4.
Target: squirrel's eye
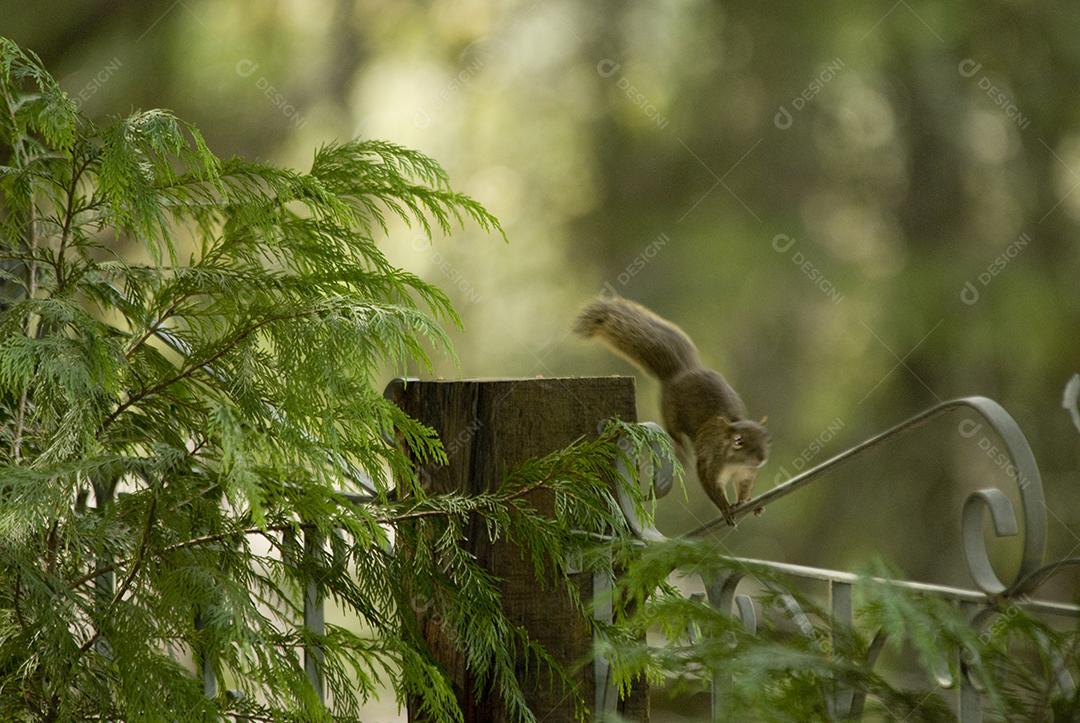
column 736, row 441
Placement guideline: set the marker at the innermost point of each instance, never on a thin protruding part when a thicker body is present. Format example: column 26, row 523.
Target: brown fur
column 700, row 408
column 641, row 336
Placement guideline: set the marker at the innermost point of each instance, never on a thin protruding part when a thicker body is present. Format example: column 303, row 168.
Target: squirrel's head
column 744, row 442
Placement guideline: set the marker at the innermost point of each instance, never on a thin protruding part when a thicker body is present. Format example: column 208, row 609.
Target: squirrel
column 699, row 407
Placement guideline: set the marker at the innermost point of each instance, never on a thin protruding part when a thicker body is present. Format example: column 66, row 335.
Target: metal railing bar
column 826, row 575
column 986, row 408
column 956, row 593
column 314, row 619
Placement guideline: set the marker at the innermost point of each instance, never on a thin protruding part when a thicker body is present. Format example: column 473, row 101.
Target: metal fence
column 989, row 597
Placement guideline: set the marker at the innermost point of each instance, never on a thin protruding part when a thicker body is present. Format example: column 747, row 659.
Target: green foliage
column 191, row 340
column 798, row 658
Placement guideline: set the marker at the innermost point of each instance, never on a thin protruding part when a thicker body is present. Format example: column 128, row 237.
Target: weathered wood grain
column 487, row 428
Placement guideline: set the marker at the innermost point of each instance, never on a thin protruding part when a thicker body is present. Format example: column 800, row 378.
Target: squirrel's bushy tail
column 638, row 334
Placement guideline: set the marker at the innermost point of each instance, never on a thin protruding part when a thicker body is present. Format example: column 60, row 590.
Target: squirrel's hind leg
column 683, row 450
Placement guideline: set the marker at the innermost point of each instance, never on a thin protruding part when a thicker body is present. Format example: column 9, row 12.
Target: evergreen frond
column 168, row 430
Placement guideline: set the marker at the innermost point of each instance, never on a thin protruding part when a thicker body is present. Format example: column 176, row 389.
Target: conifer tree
column 187, row 351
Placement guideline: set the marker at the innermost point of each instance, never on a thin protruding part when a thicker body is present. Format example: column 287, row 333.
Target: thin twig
column 156, row 324
column 15, row 602
column 282, row 527
column 31, row 291
column 69, row 216
column 140, row 555
column 188, row 371
column 51, row 547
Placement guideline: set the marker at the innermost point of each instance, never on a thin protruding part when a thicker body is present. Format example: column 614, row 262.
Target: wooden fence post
column 487, row 428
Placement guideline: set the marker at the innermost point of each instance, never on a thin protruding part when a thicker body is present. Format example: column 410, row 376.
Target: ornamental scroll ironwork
column 981, row 605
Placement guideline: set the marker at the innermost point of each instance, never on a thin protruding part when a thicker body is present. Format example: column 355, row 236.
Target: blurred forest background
column 856, row 210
